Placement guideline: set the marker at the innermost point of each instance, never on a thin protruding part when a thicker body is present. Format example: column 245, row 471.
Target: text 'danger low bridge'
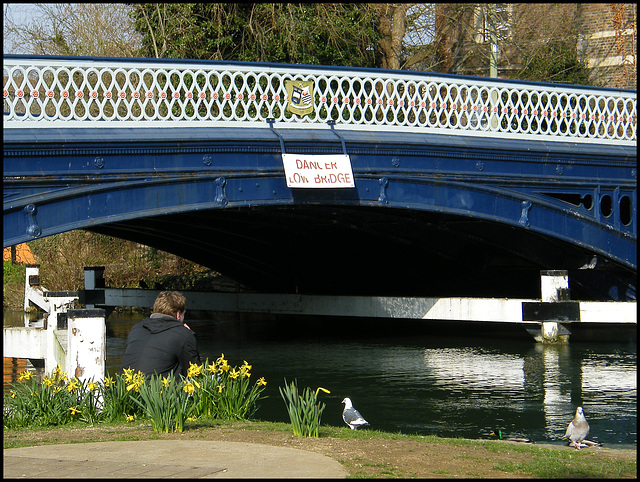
column 433, row 185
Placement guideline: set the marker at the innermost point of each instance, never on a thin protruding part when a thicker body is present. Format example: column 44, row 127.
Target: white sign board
column 314, row 171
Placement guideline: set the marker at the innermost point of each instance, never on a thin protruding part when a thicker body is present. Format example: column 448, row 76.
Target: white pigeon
column 578, row 429
column 351, row 416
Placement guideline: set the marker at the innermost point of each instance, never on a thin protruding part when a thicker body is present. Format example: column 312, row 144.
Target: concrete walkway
column 167, row 459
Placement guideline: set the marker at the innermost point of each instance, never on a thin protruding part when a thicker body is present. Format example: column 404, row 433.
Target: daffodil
column 261, row 382
column 25, row 375
column 165, row 382
column 13, row 394
column 220, row 387
column 92, row 386
column 189, row 388
column 191, row 419
column 109, row 381
column 234, row 374
column 130, row 418
column 128, row 374
column 74, row 410
column 73, row 385
column 212, row 368
column 194, row 370
column 48, row 381
column 224, row 367
column 323, row 389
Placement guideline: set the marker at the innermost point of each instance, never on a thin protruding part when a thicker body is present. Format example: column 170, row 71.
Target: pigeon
column 577, row 430
column 351, row 416
column 498, row 433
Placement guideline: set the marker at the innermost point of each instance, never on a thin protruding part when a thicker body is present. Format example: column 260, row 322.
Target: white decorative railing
column 65, row 92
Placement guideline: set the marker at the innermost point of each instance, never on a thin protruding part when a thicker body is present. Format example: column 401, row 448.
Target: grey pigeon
column 577, row 430
column 351, row 416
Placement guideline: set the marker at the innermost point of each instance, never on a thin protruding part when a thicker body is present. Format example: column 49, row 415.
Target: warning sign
column 317, row 171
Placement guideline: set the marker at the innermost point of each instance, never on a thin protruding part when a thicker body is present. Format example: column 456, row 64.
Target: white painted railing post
column 87, row 352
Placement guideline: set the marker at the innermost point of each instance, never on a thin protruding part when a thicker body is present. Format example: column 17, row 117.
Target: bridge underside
column 354, row 250
column 430, row 215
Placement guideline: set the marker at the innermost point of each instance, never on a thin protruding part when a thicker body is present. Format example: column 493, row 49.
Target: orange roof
column 23, row 254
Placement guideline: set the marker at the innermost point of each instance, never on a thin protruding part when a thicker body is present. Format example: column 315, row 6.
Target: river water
column 417, row 378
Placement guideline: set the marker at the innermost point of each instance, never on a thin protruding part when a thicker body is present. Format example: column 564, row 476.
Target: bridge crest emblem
column 299, row 96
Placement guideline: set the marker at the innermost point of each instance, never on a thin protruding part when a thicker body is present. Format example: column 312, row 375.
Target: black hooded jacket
column 160, row 344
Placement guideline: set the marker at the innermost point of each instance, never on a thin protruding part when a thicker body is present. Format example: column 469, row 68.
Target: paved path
column 167, row 459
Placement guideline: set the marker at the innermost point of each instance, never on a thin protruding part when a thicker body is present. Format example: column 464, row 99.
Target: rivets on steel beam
column 384, row 182
column 98, row 162
column 32, row 229
column 480, row 166
column 559, row 169
column 206, row 160
column 524, row 215
column 395, row 161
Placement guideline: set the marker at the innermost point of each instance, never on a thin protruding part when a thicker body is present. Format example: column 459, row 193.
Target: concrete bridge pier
column 554, row 288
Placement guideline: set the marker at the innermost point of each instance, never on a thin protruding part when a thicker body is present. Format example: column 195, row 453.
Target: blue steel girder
column 58, row 180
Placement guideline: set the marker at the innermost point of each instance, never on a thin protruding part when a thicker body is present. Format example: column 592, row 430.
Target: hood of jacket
column 158, row 322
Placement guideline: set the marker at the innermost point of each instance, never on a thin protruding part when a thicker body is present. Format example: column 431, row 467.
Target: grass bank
column 370, row 453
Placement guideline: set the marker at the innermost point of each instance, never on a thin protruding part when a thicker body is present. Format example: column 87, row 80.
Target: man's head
column 170, row 303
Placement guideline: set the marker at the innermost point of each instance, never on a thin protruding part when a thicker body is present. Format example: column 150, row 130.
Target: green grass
column 541, row 462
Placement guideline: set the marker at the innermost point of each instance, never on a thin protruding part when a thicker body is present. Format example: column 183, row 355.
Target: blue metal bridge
column 327, row 180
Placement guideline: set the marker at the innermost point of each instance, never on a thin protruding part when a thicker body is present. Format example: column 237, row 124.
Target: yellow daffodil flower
column 234, row 374
column 133, row 386
column 165, row 382
column 189, row 388
column 109, row 381
column 212, row 368
column 25, row 375
column 194, row 370
column 74, row 410
column 191, row 419
column 92, row 386
column 220, row 387
column 246, row 366
column 48, row 381
column 221, row 360
column 261, row 382
column 323, row 389
column 73, row 385
column 13, row 394
column 128, row 374
column 130, row 418
column 225, row 367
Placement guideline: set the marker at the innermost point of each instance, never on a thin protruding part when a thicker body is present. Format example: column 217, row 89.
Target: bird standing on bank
column 351, row 416
column 578, row 429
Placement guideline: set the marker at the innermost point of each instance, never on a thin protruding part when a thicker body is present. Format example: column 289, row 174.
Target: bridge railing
column 65, row 92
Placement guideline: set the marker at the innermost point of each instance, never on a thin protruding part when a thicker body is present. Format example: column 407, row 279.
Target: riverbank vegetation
column 63, row 257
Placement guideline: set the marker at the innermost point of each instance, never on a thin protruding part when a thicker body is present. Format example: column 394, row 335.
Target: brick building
column 608, row 41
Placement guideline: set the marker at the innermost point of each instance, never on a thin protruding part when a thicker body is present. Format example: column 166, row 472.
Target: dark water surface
column 411, row 377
